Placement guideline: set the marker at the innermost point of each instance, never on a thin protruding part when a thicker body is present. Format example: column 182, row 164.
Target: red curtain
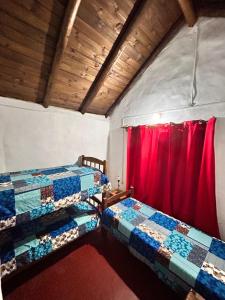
column 172, row 168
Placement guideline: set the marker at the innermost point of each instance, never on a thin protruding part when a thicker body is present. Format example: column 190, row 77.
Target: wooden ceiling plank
column 188, row 11
column 20, row 76
column 19, row 12
column 149, row 60
column 55, row 7
column 8, row 43
column 90, row 32
column 67, row 26
column 24, row 60
column 26, row 41
column 89, row 14
column 22, row 27
column 126, row 29
column 39, row 10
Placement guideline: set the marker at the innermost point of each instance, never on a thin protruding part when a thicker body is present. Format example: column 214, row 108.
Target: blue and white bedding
column 182, row 256
column 29, row 194
column 25, row 243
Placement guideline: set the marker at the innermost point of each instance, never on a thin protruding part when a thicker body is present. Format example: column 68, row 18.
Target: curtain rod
column 167, row 123
column 168, row 111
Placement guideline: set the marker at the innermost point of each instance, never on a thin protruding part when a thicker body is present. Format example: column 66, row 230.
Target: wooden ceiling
column 81, row 55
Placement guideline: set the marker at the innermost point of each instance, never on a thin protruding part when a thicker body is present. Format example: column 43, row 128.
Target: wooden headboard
column 89, row 161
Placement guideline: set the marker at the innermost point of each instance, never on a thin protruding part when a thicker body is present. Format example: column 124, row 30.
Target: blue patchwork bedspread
column 29, row 194
column 181, row 255
column 24, row 244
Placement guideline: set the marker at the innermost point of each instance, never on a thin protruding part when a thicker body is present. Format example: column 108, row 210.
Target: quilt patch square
column 41, row 250
column 164, row 221
column 129, row 202
column 125, row 228
column 82, row 219
column 27, row 201
column 66, row 187
column 53, row 171
column 6, row 186
column 25, row 245
column 216, row 261
column 177, row 243
column 107, row 217
column 61, row 227
column 21, row 177
column 139, row 219
column 7, row 204
column 217, row 248
column 184, row 269
column 19, row 184
column 147, row 211
column 42, row 210
column 209, row 287
column 47, row 194
column 200, row 237
column 83, row 171
column 144, row 244
column 128, row 214
column 40, row 181
column 94, row 190
column 182, row 228
column 91, row 225
column 4, row 178
column 197, row 255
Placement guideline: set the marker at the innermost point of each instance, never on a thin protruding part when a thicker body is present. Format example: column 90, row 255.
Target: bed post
column 82, row 160
column 104, row 167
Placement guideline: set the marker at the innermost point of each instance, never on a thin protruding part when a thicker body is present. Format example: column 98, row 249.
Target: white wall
column 193, row 63
column 34, row 137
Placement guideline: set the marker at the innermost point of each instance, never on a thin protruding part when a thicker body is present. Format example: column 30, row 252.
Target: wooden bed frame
column 89, row 161
column 110, row 199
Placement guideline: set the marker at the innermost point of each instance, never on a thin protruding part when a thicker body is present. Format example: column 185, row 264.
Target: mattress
column 29, row 194
column 25, row 243
column 182, row 256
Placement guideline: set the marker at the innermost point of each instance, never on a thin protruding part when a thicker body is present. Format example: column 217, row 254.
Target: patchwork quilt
column 24, row 244
column 181, row 255
column 29, row 194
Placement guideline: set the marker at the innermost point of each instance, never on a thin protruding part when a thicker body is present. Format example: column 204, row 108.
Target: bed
column 23, row 245
column 29, row 194
column 182, row 256
column 42, row 210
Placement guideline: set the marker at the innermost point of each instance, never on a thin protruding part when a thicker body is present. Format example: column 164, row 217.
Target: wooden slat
column 68, row 22
column 23, row 14
column 127, row 28
column 188, row 11
column 151, row 57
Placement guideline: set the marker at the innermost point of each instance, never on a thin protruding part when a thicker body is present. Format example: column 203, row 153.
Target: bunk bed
column 42, row 210
column 182, row 256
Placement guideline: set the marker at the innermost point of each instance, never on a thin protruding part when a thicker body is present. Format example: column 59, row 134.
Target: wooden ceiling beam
column 66, row 28
column 188, row 11
column 173, row 30
column 110, row 59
